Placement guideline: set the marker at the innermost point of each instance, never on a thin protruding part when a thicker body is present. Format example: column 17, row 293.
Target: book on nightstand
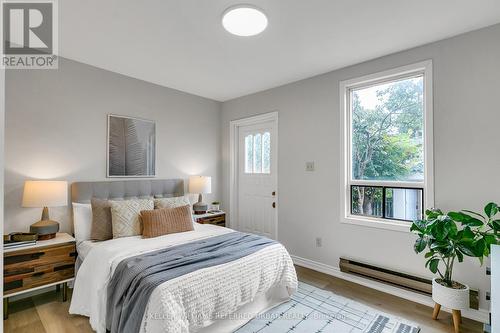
column 13, row 244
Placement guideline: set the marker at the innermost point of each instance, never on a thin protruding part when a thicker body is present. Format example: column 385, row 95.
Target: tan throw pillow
column 172, row 202
column 125, row 216
column 166, row 221
column 101, row 228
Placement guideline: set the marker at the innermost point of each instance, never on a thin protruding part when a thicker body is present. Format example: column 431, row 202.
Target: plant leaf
column 495, row 224
column 473, row 213
column 420, row 245
column 478, row 247
column 460, row 256
column 418, row 225
column 429, row 254
column 465, row 219
column 433, row 265
column 491, row 209
column 433, row 213
column 466, row 248
column 490, row 240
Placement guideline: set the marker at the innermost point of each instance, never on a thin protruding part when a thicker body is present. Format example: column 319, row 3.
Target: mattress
column 83, row 248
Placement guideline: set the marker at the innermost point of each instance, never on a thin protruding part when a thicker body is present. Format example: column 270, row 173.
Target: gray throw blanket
column 135, row 278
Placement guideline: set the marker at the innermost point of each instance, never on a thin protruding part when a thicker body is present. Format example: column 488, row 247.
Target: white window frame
column 424, row 68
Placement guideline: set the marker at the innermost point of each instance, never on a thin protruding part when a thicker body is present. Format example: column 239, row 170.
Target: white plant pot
column 455, row 299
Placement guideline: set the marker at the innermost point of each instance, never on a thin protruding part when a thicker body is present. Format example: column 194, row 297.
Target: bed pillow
column 101, row 220
column 164, row 221
column 82, row 221
column 125, row 216
column 172, row 202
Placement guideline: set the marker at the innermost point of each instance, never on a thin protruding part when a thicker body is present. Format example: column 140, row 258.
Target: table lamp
column 45, row 193
column 200, row 185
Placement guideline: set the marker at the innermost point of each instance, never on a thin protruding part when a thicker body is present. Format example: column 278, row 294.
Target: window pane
column 366, row 201
column 403, row 204
column 266, row 152
column 257, row 153
column 249, row 154
column 387, row 131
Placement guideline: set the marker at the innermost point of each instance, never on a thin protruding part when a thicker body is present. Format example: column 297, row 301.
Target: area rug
column 314, row 310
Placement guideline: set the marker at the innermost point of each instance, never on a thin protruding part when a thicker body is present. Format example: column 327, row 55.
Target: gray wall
column 466, row 155
column 56, row 122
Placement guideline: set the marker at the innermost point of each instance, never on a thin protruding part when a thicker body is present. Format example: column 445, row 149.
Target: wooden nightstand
column 48, row 263
column 218, row 218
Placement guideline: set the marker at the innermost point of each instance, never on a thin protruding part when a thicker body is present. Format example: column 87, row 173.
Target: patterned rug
column 314, row 310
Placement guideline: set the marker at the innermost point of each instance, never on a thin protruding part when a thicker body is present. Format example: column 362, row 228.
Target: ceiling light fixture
column 244, row 20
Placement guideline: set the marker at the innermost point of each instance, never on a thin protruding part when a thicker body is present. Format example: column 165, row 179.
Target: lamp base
column 46, row 229
column 200, row 208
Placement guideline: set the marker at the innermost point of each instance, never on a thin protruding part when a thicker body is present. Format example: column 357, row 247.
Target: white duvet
column 194, row 301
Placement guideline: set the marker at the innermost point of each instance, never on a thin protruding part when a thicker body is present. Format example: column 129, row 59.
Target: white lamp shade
column 200, row 184
column 45, row 193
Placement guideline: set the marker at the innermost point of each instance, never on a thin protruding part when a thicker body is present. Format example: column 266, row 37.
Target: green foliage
column 449, row 237
column 387, row 137
column 387, row 140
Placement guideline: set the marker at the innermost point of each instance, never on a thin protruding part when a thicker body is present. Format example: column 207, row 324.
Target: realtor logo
column 29, row 34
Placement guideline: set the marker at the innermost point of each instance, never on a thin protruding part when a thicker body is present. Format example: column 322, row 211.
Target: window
column 388, row 146
column 258, row 153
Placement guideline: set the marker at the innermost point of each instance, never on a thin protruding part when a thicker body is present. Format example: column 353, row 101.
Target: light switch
column 309, row 166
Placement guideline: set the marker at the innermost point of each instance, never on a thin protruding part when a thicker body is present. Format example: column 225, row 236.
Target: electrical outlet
column 319, row 242
column 309, row 166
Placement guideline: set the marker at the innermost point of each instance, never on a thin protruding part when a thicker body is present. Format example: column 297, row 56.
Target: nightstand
column 47, row 263
column 218, row 218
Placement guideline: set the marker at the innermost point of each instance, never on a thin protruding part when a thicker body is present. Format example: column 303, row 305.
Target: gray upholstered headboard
column 82, row 192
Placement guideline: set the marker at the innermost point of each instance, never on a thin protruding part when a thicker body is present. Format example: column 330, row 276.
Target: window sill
column 378, row 223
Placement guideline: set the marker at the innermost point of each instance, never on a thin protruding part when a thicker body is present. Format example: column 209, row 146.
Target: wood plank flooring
column 46, row 312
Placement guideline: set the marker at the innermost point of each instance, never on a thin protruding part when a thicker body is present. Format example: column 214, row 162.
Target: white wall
column 466, row 157
column 56, row 123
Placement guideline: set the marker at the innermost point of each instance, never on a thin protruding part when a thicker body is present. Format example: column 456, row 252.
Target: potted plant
column 448, row 238
column 215, row 205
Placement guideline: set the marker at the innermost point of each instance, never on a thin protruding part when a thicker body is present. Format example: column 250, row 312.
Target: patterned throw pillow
column 166, row 221
column 101, row 228
column 126, row 218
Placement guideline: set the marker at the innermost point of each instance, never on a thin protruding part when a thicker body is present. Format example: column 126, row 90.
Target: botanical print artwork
column 131, row 147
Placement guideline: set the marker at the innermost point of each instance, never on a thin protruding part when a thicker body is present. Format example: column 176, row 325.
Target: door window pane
column 403, row 203
column 387, row 123
column 257, row 153
column 249, row 154
column 266, row 152
column 366, row 201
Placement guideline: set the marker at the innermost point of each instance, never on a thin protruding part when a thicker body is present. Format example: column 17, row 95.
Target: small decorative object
column 215, row 206
column 448, row 238
column 23, row 236
column 44, row 193
column 200, row 185
column 131, row 147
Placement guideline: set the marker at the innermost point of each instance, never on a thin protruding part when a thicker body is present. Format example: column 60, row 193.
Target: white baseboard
column 480, row 315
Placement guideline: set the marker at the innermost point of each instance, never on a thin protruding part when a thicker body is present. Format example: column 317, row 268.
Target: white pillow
column 82, row 221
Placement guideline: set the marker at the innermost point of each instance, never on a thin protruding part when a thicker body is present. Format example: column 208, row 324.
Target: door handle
column 274, row 204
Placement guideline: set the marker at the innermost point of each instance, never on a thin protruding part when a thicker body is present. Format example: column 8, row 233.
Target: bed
column 211, row 296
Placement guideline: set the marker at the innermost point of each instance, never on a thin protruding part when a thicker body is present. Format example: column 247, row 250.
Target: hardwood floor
column 46, row 312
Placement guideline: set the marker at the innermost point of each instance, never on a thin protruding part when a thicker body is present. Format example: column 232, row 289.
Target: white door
column 257, row 179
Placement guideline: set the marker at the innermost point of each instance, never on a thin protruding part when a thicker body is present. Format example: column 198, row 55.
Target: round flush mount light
column 244, row 20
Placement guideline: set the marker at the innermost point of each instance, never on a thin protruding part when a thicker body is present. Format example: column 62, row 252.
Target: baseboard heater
column 406, row 281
